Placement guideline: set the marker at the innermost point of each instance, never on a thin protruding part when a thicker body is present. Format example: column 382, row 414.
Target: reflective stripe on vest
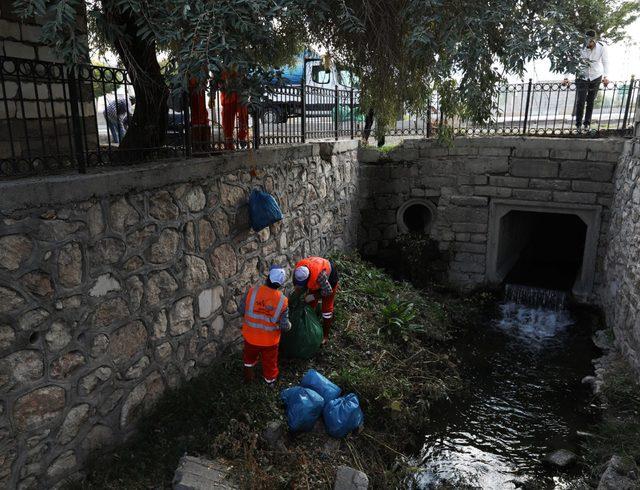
column 263, row 308
column 251, row 315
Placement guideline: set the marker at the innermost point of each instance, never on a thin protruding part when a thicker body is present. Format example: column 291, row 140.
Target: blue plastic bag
column 318, row 383
column 342, row 415
column 263, row 209
column 304, row 407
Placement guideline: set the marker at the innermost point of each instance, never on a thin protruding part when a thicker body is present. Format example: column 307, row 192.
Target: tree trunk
column 148, row 126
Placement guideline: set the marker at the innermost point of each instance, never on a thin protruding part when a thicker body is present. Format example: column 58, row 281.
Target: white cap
column 277, row 275
column 300, row 275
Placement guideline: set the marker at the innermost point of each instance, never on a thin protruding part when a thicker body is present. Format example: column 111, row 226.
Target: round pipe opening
column 416, row 216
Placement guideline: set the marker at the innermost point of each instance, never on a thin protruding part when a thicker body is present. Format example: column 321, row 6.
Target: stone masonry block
column 10, row 29
column 495, row 151
column 532, row 194
column 578, row 197
column 603, row 156
column 368, row 155
column 579, row 169
column 404, row 155
column 531, row 152
column 469, row 201
column 491, row 165
column 552, row 184
column 469, row 227
column 521, row 167
column 558, row 154
column 488, row 190
column 463, row 151
column 19, row 50
column 501, row 181
column 599, row 187
column 475, row 248
column 465, row 266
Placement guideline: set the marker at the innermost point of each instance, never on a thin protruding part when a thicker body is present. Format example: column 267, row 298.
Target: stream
column 524, row 398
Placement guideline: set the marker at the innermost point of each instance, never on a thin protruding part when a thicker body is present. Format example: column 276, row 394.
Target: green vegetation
column 619, row 431
column 388, row 346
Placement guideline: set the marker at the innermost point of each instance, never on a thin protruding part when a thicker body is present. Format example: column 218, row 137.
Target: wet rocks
column 348, row 478
column 201, row 474
column 560, row 458
column 273, row 434
column 621, row 474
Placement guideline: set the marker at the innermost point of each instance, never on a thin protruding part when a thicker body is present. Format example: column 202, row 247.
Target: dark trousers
column 586, row 91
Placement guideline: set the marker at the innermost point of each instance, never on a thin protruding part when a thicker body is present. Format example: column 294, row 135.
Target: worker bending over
column 319, row 277
column 265, row 310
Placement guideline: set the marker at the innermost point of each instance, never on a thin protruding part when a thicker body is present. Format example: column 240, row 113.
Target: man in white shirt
column 596, row 65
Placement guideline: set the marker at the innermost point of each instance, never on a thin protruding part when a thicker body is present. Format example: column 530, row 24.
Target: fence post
column 628, row 103
column 352, row 117
column 76, row 120
column 303, row 102
column 335, row 121
column 186, row 124
column 526, row 108
column 429, row 128
column 256, row 129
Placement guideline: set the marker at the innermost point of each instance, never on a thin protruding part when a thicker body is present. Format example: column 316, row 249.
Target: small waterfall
column 536, row 297
column 534, row 314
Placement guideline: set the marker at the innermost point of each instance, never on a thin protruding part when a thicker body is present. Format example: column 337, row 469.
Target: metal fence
column 55, row 119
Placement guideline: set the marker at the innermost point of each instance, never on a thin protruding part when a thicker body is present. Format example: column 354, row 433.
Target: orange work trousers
column 230, row 107
column 251, row 353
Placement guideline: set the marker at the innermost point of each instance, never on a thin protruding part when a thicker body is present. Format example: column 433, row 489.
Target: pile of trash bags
column 318, row 396
column 305, row 337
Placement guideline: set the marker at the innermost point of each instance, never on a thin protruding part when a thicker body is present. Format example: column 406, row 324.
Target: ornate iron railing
column 55, row 119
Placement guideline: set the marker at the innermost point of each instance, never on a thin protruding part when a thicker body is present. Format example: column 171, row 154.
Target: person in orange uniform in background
column 320, row 279
column 265, row 311
column 199, row 117
column 231, row 106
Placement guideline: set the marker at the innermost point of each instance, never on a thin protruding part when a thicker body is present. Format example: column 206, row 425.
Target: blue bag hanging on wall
column 317, row 382
column 263, row 209
column 304, row 407
column 342, row 415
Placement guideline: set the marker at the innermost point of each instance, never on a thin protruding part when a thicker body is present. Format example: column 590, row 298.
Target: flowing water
column 524, row 398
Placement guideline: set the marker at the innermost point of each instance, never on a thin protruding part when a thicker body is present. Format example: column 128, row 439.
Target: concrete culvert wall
column 463, row 182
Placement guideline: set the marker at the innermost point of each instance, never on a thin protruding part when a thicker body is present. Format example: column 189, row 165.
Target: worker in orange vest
column 265, row 311
column 319, row 277
column 232, row 105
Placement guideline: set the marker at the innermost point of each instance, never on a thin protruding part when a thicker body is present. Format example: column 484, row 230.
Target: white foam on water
column 534, row 325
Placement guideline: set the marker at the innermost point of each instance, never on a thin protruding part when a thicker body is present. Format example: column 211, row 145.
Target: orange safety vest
column 262, row 312
column 315, row 266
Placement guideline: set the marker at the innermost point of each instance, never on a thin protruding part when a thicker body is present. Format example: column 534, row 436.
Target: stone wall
column 117, row 286
column 461, row 183
column 620, row 294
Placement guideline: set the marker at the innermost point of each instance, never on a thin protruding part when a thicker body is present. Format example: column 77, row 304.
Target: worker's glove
column 286, row 327
column 310, row 298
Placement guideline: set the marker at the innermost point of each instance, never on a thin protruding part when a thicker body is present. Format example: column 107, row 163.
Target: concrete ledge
column 60, row 189
column 328, row 148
